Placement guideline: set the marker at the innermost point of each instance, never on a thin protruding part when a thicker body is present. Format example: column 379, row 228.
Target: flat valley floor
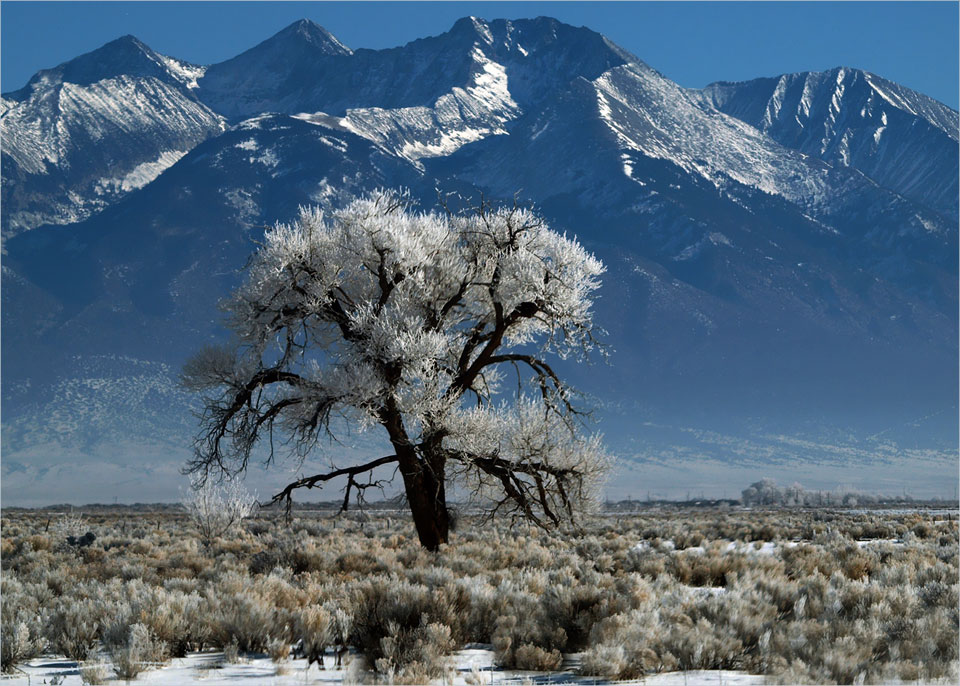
column 662, row 596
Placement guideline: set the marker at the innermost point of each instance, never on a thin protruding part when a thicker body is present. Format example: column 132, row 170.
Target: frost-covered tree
column 216, row 508
column 763, row 492
column 414, row 323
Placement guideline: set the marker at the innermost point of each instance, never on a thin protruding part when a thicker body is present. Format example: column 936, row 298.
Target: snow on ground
column 751, row 548
column 473, row 666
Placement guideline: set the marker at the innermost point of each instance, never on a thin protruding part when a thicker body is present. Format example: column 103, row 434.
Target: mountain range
column 781, row 293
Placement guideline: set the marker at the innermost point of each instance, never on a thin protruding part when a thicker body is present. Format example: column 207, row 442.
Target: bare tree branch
column 286, row 495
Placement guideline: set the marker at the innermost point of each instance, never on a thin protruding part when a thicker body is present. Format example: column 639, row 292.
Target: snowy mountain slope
column 903, row 140
column 112, row 305
column 80, row 136
column 631, row 139
column 651, row 115
column 151, row 268
column 148, row 389
column 752, row 286
column 457, row 118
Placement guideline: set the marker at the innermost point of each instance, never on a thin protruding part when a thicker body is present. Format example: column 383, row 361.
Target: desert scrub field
column 798, row 596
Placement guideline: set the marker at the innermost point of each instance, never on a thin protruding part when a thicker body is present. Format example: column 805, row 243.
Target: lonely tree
column 435, row 328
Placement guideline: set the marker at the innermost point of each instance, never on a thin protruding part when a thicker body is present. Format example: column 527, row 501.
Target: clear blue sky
column 693, row 43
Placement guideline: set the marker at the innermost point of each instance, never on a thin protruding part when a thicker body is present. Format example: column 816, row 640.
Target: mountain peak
column 258, row 78
column 543, row 33
column 123, row 56
column 127, row 40
column 312, row 34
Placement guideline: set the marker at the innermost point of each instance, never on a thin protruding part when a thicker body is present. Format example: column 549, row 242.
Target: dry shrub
column 140, row 651
column 37, row 542
column 514, row 636
column 20, row 623
column 535, row 658
column 73, row 627
column 94, row 673
column 405, row 629
column 359, row 564
column 606, row 661
column 21, row 642
column 314, row 631
column 857, row 566
column 278, row 650
column 242, row 619
column 414, row 655
column 231, row 653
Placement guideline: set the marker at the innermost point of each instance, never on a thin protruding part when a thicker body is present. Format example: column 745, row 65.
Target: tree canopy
column 434, row 327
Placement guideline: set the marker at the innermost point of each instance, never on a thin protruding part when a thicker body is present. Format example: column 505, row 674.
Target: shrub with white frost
column 217, row 508
column 140, row 651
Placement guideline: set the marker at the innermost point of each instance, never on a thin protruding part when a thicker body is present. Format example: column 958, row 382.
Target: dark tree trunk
column 423, row 478
column 424, row 482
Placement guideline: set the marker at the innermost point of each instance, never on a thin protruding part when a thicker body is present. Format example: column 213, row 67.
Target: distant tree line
column 767, row 492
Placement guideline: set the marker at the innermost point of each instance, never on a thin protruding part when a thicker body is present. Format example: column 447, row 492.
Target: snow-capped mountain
column 901, row 139
column 781, row 253
column 82, row 135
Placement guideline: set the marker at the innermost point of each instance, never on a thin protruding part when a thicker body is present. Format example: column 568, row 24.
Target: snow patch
column 268, row 158
column 462, row 116
column 140, row 175
column 473, row 665
column 188, row 74
column 718, row 238
column 536, row 134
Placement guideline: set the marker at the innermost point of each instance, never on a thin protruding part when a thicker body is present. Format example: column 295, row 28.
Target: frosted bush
column 401, row 628
column 73, row 627
column 140, row 651
column 243, row 619
column 315, row 633
column 414, row 655
column 217, row 508
column 535, row 658
column 21, row 642
column 341, row 628
column 20, row 623
column 94, row 672
column 607, row 661
column 279, row 650
column 70, row 525
column 177, row 619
